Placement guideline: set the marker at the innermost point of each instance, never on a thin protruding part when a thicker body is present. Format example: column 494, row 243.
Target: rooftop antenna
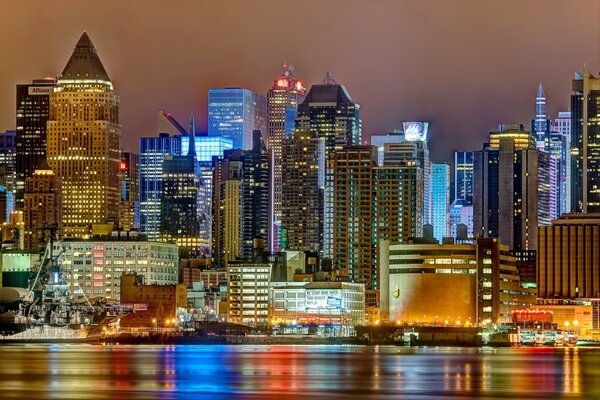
column 328, row 79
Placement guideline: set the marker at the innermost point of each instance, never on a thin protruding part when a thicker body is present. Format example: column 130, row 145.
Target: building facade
column 235, row 113
column 94, row 267
column 83, row 141
column 43, row 207
column 474, row 284
column 248, row 293
column 8, row 175
column 585, row 143
column 568, row 258
column 282, row 101
column 329, row 112
column 440, row 200
column 463, row 176
column 130, row 190
column 302, row 191
column 33, row 110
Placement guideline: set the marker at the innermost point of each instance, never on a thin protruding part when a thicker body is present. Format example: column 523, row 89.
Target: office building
column 440, row 200
column 513, row 182
column 248, row 293
column 303, row 185
column 335, row 307
column 130, row 190
column 463, row 176
column 568, row 259
column 476, row 284
column 8, row 176
column 94, row 267
column 180, row 215
column 561, row 127
column 585, row 143
column 371, row 204
column 381, row 140
column 43, row 207
column 235, row 113
column 329, row 112
column 152, row 153
column 282, row 102
column 241, row 205
column 461, row 214
column 33, row 110
column 540, row 126
column 83, row 141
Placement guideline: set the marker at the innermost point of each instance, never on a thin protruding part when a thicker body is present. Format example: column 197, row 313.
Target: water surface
column 295, row 372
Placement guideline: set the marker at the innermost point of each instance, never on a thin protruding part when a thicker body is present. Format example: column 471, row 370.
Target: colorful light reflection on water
column 288, row 372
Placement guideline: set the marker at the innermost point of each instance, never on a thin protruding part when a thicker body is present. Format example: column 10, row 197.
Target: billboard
column 334, row 302
column 415, row 131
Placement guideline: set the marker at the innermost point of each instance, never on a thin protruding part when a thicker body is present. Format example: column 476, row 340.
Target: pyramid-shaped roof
column 84, row 62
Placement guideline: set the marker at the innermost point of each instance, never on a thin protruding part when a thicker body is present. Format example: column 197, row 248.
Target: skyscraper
column 329, row 112
column 372, row 203
column 561, row 127
column 282, row 100
column 8, row 176
column 181, row 182
column 33, row 109
column 241, row 205
column 513, row 183
column 463, row 176
column 130, row 190
column 83, row 141
column 585, row 143
column 303, row 181
column 381, row 140
column 235, row 113
column 541, row 124
column 153, row 151
column 42, row 207
column 440, row 195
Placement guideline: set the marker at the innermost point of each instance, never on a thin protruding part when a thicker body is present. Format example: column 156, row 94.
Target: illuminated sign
column 123, row 166
column 39, row 90
column 415, row 131
column 335, row 302
column 300, row 87
column 283, row 83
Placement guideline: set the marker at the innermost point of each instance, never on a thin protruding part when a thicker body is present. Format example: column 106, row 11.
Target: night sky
column 464, row 66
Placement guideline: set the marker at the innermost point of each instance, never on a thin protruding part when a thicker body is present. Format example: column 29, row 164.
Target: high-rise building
column 540, row 126
column 585, row 143
column 83, row 141
column 513, row 183
column 130, row 189
column 381, row 140
column 303, row 182
column 207, row 147
column 329, row 112
column 42, row 207
column 567, row 260
column 8, row 176
column 235, row 113
column 461, row 214
column 561, row 127
column 241, row 206
column 33, row 109
column 463, row 176
column 558, row 145
column 371, row 204
column 440, row 200
column 282, row 101
column 180, row 216
column 152, row 153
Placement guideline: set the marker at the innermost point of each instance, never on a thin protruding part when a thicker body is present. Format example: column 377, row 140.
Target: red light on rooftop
column 282, row 83
column 123, row 166
column 300, row 86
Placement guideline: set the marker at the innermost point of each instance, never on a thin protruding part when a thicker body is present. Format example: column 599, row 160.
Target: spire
column 328, row 79
column 84, row 62
column 192, row 133
column 540, row 92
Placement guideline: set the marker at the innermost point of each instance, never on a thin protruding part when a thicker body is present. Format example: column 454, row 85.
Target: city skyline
column 401, row 89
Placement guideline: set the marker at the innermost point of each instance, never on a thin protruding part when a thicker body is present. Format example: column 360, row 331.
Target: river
column 295, row 372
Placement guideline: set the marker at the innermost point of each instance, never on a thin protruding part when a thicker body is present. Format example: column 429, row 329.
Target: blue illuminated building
column 440, row 193
column 234, row 113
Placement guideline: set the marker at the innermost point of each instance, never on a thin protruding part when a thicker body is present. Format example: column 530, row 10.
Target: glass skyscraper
column 440, row 194
column 463, row 176
column 234, row 113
